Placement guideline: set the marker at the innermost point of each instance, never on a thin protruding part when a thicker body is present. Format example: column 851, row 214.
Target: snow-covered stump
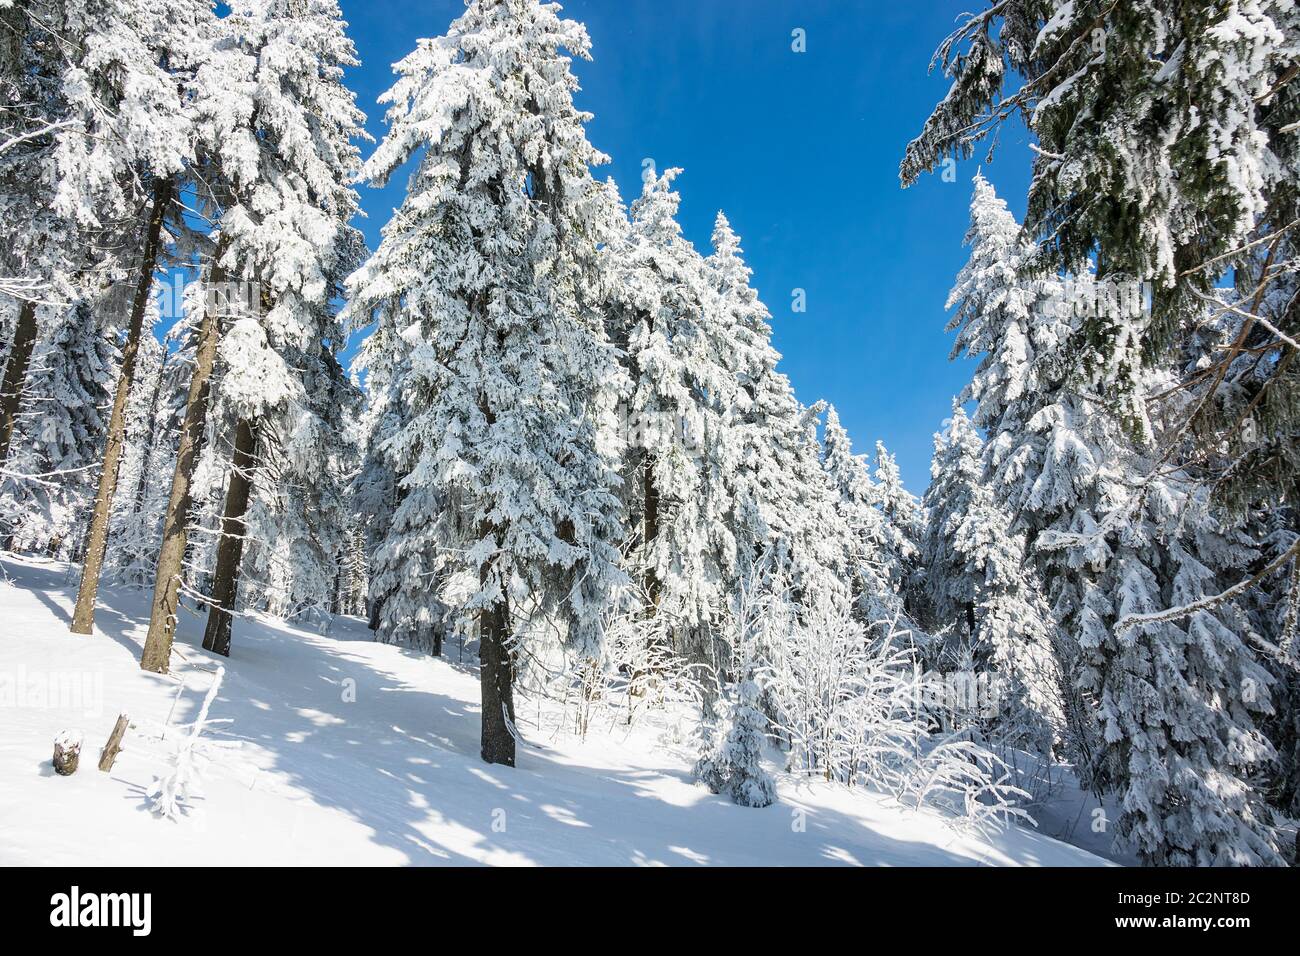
column 67, row 752
column 114, row 745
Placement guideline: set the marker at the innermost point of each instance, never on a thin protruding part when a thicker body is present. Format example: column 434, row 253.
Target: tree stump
column 67, row 752
column 114, row 745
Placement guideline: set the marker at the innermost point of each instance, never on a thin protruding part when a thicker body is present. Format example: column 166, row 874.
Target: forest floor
column 348, row 751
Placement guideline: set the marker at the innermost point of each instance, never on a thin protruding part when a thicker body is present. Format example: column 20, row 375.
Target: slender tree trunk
column 650, row 528
column 83, row 616
column 175, row 543
column 20, row 356
column 230, row 550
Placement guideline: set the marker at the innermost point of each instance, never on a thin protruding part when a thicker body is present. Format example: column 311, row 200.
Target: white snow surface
column 390, row 778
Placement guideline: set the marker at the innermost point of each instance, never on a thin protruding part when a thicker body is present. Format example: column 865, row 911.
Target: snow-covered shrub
column 169, row 795
column 635, row 673
column 849, row 702
column 734, row 765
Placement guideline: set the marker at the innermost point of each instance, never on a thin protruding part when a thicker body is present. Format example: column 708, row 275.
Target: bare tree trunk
column 171, row 557
column 230, row 551
column 11, row 395
column 83, row 616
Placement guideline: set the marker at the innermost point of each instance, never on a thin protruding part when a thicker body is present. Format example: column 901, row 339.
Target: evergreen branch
column 1205, row 604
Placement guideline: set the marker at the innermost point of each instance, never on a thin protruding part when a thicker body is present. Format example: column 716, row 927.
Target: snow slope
column 389, row 777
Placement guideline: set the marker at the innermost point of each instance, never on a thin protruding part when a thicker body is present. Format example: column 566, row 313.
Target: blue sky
column 801, row 151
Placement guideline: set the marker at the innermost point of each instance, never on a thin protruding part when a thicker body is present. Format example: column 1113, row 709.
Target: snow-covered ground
column 353, row 752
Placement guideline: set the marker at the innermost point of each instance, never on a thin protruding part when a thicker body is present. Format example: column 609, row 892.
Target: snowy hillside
column 354, row 752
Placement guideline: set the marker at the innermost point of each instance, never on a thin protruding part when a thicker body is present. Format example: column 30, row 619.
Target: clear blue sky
column 801, row 151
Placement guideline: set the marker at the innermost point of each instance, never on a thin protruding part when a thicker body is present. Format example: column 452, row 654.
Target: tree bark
column 496, row 676
column 650, row 529
column 230, row 551
column 83, row 616
column 11, row 395
column 157, row 652
column 496, row 679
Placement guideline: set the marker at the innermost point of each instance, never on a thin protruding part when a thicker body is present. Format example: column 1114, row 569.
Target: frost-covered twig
column 32, row 134
column 171, row 791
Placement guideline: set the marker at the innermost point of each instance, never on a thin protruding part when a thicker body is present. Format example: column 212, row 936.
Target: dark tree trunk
column 83, row 616
column 496, row 678
column 175, row 543
column 650, row 528
column 20, row 356
column 970, row 619
column 230, row 551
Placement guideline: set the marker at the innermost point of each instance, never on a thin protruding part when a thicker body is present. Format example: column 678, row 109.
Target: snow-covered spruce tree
column 278, row 122
column 1168, row 140
column 902, row 523
column 60, row 435
column 1168, row 143
column 1125, row 100
column 299, row 522
column 1273, row 606
column 755, row 416
column 287, row 233
column 123, row 154
column 483, row 290
column 876, row 552
column 354, row 580
column 1251, row 472
column 784, row 513
column 956, row 470
column 984, row 594
column 1158, row 710
column 375, row 498
column 734, row 767
column 40, row 248
column 664, row 318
